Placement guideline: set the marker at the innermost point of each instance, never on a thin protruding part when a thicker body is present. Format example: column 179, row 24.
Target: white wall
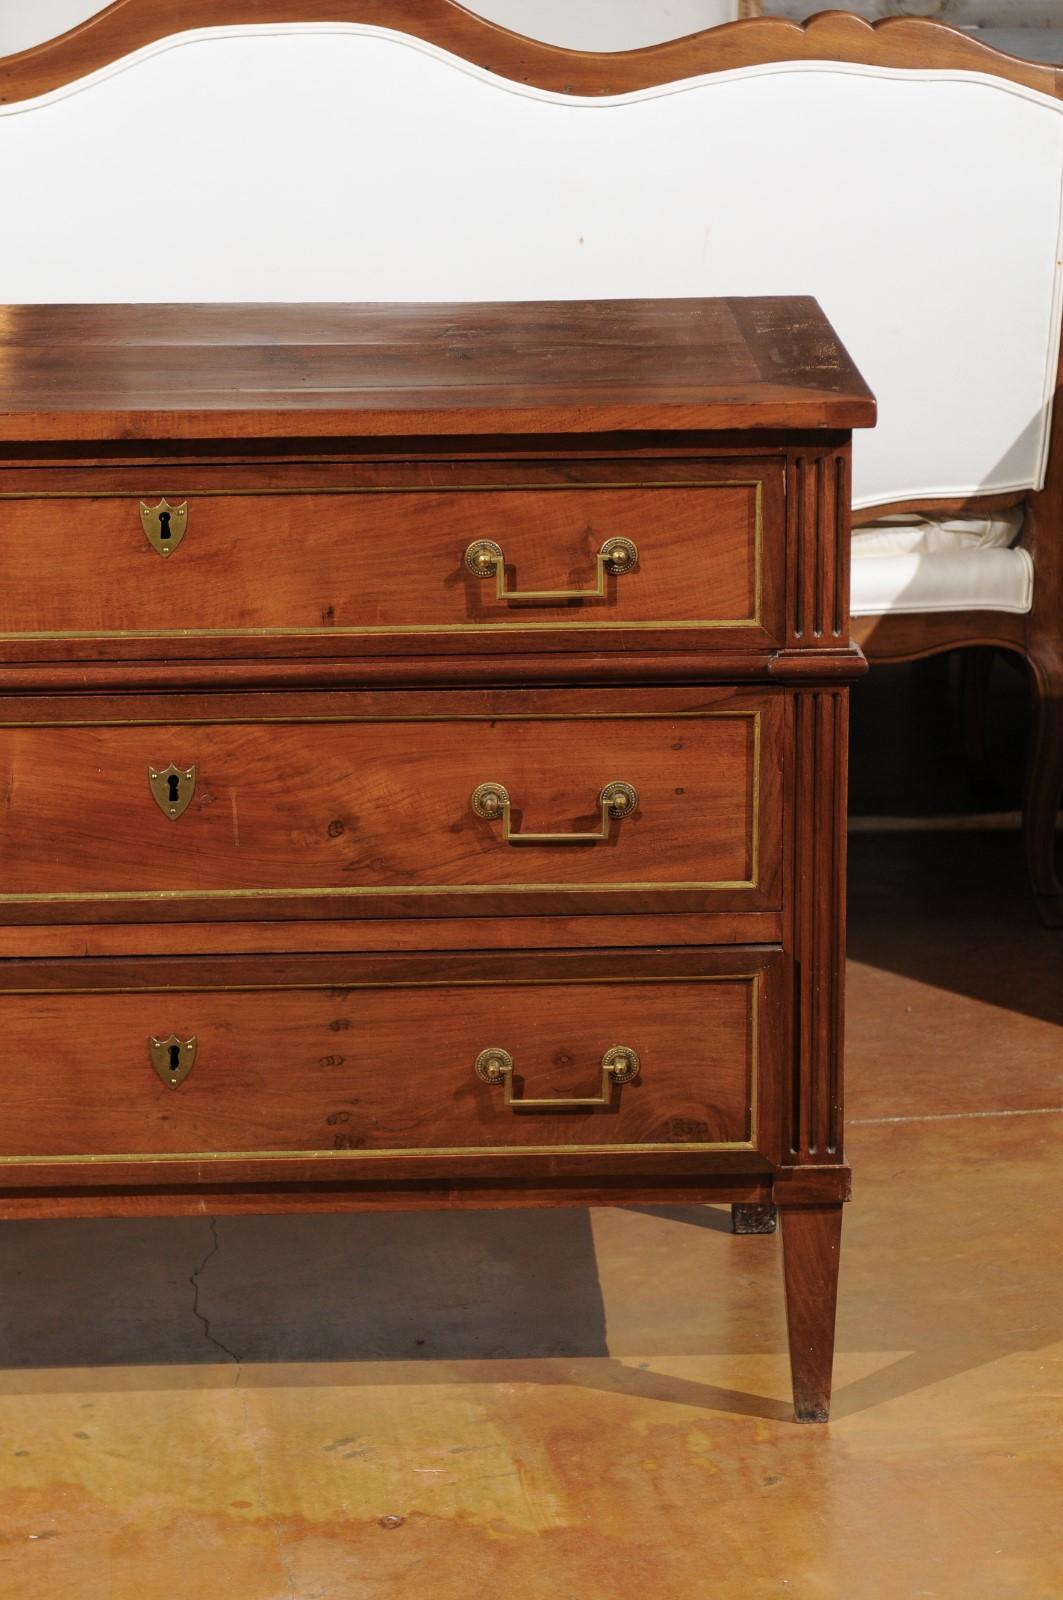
column 579, row 24
column 607, row 24
column 26, row 22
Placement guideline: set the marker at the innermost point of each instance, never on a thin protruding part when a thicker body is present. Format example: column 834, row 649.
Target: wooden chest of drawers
column 422, row 747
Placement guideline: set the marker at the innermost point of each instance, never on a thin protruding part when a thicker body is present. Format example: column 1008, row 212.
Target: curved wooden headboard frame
column 899, row 42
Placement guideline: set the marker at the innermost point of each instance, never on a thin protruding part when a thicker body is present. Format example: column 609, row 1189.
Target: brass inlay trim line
column 403, row 628
column 138, row 895
column 387, row 488
column 346, row 716
column 157, row 896
column 503, row 625
column 754, row 979
column 358, row 983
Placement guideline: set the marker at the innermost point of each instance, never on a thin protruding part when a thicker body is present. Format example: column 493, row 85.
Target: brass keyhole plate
column 172, row 788
column 173, row 1058
column 164, row 525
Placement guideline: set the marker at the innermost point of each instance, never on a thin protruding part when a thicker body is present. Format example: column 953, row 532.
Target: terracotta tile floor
column 580, row 1406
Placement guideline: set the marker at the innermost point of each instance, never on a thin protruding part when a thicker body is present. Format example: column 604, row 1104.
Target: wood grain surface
column 286, row 569
column 356, row 1057
column 811, row 1238
column 378, row 934
column 228, row 371
column 348, row 808
column 378, row 1069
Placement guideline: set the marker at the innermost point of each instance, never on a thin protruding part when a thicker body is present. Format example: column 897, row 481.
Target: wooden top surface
column 302, row 371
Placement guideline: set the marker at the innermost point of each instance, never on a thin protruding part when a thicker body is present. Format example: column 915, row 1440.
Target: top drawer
column 453, row 557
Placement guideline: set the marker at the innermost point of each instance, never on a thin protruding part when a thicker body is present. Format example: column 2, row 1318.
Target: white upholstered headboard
column 330, row 161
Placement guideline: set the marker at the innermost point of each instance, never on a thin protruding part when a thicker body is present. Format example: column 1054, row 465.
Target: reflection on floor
column 580, row 1406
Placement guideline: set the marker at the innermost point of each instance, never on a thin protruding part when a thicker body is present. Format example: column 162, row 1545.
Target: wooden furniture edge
column 835, row 36
column 803, row 1189
column 911, row 637
column 694, row 414
column 437, row 1194
column 560, row 669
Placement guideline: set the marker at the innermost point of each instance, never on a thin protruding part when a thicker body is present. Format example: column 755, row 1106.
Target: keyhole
column 174, row 783
column 164, row 524
column 175, row 1058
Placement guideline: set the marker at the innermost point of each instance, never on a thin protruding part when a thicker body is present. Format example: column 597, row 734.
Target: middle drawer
column 360, row 804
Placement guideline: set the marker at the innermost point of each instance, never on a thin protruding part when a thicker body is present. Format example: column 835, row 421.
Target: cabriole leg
column 811, row 1238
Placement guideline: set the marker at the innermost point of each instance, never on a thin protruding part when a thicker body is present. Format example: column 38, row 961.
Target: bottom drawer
column 251, row 1060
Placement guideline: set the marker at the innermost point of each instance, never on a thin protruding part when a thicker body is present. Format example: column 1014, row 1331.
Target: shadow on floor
column 404, row 1286
column 399, row 1287
column 409, row 1291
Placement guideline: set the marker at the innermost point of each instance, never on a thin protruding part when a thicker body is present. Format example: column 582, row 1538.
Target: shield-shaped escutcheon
column 164, row 525
column 173, row 1058
column 172, row 788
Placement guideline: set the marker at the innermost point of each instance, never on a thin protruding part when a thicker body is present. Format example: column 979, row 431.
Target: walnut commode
column 423, row 749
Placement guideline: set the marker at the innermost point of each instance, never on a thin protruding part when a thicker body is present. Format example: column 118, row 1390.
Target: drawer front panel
column 328, row 1063
column 386, row 567
column 336, row 811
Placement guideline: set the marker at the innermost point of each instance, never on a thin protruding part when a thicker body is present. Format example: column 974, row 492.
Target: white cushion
column 913, row 534
column 925, row 563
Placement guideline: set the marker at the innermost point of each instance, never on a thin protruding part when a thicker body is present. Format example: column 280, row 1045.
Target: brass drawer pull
column 619, row 1065
column 484, row 559
column 173, row 1058
column 491, row 801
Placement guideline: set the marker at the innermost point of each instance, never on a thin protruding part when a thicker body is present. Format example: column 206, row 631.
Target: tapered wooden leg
column 753, row 1218
column 1044, row 785
column 811, row 1238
